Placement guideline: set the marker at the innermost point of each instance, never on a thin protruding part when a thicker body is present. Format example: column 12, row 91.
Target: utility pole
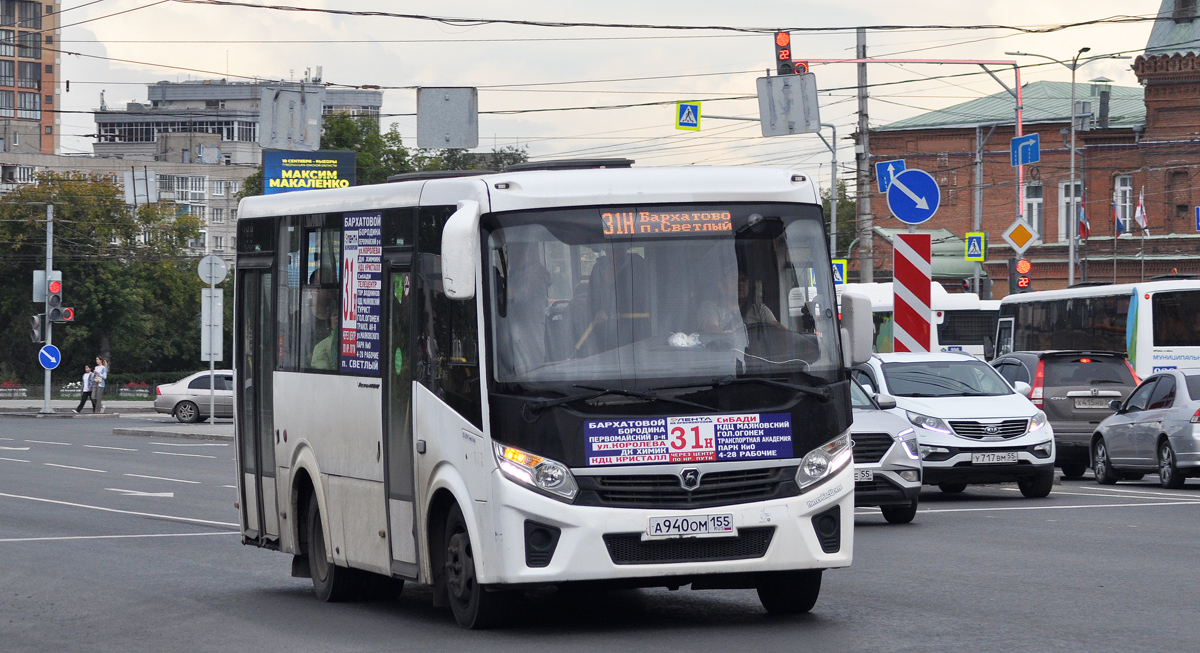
column 980, row 143
column 833, row 190
column 46, row 309
column 866, row 226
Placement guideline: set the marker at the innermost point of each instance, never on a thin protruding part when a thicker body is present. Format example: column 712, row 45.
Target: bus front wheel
column 474, row 606
column 789, row 592
column 331, row 582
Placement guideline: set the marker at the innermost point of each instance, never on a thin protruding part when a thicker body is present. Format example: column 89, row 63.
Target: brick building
column 29, row 69
column 1128, row 140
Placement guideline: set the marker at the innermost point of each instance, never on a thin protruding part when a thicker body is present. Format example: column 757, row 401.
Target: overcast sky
column 690, row 65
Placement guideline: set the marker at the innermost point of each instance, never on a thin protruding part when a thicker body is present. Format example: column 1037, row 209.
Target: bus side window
column 288, row 291
column 320, row 318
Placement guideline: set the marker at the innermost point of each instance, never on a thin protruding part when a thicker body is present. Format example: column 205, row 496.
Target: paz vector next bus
column 602, row 377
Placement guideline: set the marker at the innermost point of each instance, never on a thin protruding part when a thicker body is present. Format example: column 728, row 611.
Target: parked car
column 1075, row 389
column 1155, row 430
column 887, row 464
column 971, row 425
column 188, row 399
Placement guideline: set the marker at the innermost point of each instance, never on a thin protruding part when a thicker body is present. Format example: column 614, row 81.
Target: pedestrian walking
column 99, row 375
column 85, row 391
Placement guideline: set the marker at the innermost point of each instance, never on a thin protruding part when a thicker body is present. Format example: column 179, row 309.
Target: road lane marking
column 139, row 493
column 1148, row 493
column 1093, row 505
column 1122, row 496
column 14, row 448
column 190, row 520
column 234, row 487
column 82, row 469
column 7, row 439
column 96, row 446
column 160, row 478
column 14, row 460
column 189, row 455
column 176, row 444
column 61, row 444
column 111, row 537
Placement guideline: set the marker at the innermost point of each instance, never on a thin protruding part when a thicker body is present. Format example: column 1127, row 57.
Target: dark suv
column 1074, row 388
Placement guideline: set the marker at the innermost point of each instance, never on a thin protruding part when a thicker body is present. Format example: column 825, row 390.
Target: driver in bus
column 325, row 352
column 733, row 308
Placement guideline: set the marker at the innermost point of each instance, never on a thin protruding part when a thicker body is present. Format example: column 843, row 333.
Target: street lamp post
column 1073, row 219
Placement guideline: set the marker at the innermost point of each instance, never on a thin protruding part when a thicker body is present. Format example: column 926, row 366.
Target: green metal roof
column 1168, row 37
column 947, row 250
column 1045, row 102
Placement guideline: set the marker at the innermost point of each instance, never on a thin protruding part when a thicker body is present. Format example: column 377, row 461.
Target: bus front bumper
column 814, row 530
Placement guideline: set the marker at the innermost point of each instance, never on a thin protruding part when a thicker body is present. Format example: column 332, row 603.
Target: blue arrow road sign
column 49, row 357
column 913, row 196
column 885, row 171
column 1026, row 150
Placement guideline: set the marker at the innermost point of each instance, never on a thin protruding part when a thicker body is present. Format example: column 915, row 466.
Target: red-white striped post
column 912, row 277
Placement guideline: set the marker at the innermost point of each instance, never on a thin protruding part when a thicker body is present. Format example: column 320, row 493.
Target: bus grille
column 1009, row 428
column 870, row 447
column 629, row 549
column 665, row 490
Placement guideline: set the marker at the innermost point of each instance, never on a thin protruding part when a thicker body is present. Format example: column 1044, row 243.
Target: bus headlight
column 543, row 474
column 824, row 461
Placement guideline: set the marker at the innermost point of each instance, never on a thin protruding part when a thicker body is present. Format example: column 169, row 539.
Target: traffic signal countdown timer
column 1023, row 269
column 783, row 56
column 55, row 311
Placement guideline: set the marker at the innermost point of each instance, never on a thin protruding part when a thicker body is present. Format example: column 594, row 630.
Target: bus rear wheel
column 331, row 582
column 789, row 592
column 474, row 606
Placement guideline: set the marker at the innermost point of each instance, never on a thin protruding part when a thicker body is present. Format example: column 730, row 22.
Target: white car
column 887, row 465
column 972, row 426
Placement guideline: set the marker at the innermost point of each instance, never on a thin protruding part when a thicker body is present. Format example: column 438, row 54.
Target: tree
column 378, row 155
column 125, row 272
column 846, row 219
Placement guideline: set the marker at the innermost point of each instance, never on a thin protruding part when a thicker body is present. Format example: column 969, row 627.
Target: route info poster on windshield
column 692, row 439
column 362, row 292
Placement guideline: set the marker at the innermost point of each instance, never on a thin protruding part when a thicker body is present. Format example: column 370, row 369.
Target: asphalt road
column 124, row 542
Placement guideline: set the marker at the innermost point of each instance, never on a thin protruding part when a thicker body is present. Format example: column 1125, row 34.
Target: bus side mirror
column 858, row 330
column 460, row 251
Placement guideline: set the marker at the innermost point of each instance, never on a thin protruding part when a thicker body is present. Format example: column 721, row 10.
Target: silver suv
column 887, row 464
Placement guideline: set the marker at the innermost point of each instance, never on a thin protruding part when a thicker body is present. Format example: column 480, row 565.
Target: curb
column 189, row 435
column 67, row 415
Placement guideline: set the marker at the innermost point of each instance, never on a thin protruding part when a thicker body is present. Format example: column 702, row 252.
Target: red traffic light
column 55, row 287
column 1024, row 266
column 68, row 315
column 782, row 39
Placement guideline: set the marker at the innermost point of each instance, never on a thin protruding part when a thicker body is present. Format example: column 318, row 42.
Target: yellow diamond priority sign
column 1020, row 235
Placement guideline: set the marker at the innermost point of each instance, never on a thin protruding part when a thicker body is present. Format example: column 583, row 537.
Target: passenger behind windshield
column 944, row 379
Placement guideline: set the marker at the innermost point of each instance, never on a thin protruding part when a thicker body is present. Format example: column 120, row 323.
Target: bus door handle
column 420, row 446
column 378, row 450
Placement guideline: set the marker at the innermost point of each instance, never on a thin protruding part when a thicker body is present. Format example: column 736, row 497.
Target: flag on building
column 1085, row 227
column 1139, row 215
column 1118, row 226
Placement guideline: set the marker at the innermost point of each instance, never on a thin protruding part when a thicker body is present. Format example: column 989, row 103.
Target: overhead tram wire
column 476, row 22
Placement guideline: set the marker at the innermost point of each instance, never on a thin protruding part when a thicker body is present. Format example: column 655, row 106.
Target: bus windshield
column 634, row 296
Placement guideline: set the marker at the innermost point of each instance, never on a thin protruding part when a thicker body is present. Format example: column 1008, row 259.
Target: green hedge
column 151, row 378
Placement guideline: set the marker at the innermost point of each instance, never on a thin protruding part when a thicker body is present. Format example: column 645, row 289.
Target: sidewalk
column 222, row 430
column 32, row 406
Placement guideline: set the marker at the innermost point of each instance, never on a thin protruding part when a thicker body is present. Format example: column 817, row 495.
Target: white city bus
column 629, row 377
column 961, row 321
column 1153, row 323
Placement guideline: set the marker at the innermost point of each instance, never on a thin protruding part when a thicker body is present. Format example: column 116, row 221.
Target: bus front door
column 255, row 409
column 400, row 466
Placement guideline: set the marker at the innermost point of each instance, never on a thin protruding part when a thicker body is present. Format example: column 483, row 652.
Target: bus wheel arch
column 439, row 509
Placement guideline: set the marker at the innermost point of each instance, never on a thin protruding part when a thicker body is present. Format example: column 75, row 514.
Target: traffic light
column 68, row 314
column 54, row 309
column 1023, row 269
column 35, row 328
column 783, row 54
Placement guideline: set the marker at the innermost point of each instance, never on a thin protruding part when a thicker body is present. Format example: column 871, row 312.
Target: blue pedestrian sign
column 885, row 171
column 839, row 271
column 687, row 116
column 49, row 357
column 1198, row 218
column 913, row 196
column 1026, row 150
column 975, row 246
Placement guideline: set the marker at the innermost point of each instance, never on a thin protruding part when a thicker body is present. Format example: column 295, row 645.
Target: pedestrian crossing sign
column 976, row 246
column 687, row 116
column 839, row 271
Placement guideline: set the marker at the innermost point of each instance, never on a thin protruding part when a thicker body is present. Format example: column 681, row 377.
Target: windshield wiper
column 543, row 404
column 821, row 392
